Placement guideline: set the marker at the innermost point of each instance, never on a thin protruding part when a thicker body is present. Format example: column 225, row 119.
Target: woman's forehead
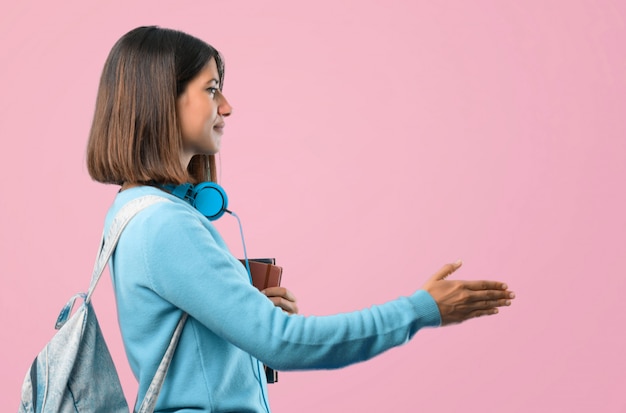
column 210, row 72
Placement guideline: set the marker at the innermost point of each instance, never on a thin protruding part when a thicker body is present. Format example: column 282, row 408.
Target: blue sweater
column 171, row 259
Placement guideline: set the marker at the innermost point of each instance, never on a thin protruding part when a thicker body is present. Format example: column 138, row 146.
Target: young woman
column 159, row 119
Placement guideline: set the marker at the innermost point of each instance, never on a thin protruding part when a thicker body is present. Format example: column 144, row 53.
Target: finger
column 485, row 285
column 487, row 304
column 279, row 292
column 288, row 306
column 482, row 313
column 490, row 295
column 446, row 270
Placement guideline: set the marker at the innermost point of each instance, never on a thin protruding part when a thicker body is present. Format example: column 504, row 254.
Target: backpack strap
column 149, row 400
column 108, row 244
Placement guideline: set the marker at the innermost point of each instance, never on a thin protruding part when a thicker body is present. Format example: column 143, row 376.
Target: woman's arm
column 186, row 263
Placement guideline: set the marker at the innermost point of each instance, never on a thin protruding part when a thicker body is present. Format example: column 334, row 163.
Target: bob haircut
column 135, row 136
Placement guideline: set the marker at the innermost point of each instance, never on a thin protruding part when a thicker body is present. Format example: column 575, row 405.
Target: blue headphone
column 207, row 197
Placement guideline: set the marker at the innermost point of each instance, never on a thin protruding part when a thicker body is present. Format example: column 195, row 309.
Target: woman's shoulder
column 172, row 209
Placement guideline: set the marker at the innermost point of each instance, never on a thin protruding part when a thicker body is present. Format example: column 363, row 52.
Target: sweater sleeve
column 185, row 264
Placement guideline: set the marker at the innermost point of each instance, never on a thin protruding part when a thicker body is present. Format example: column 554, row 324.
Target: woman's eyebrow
column 213, row 80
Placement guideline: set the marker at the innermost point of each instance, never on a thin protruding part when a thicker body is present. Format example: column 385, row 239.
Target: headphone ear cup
column 210, row 200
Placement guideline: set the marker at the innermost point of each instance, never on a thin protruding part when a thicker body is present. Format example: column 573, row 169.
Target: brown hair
column 135, row 136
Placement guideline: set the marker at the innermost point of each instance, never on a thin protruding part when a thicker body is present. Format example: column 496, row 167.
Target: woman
column 158, row 122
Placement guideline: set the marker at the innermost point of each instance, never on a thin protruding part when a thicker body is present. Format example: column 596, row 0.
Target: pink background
column 371, row 142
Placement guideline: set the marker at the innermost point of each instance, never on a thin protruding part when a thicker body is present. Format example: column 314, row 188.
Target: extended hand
column 283, row 298
column 461, row 300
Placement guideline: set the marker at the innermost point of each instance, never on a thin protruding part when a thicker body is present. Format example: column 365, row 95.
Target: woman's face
column 201, row 110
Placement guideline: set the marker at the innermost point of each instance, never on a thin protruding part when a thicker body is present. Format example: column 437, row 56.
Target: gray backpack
column 75, row 372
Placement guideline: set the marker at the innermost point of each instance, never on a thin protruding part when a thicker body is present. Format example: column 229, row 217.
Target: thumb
column 446, row 270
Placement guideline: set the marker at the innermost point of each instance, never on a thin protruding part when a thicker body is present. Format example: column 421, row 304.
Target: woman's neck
column 128, row 185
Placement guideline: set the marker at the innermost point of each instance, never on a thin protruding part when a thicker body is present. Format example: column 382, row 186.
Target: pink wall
column 371, row 142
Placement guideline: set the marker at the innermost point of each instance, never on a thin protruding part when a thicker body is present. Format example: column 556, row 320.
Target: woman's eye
column 212, row 90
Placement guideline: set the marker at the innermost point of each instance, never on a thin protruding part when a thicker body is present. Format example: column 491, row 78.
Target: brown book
column 265, row 273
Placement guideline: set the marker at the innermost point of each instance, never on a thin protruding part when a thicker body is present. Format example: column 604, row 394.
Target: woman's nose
column 224, row 107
